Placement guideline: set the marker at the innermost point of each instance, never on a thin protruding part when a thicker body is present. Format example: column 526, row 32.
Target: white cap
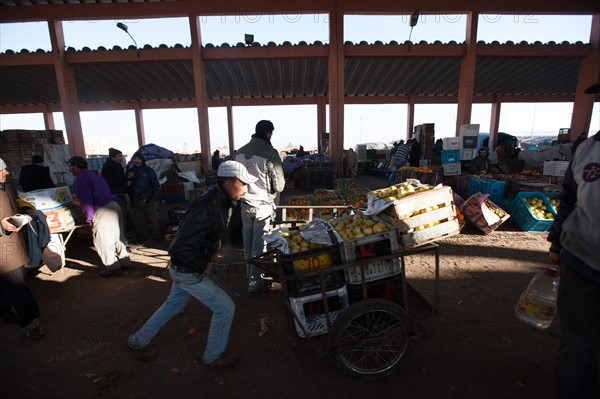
column 236, row 169
column 2, row 164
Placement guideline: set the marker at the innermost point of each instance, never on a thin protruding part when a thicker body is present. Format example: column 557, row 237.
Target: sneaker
column 144, row 354
column 224, row 362
column 36, row 333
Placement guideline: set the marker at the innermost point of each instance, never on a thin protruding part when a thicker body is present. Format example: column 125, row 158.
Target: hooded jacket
column 199, row 236
column 144, row 186
column 262, row 161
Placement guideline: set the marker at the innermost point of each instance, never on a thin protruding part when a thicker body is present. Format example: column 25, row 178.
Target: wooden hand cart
column 373, row 337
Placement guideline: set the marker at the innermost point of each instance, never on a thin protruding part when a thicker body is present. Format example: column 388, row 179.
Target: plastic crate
column 311, row 311
column 374, row 270
column 314, row 259
column 450, row 156
column 387, row 288
column 524, row 217
column 370, row 247
column 495, row 188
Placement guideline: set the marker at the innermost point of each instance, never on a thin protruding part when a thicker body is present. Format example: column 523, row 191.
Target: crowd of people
column 255, row 179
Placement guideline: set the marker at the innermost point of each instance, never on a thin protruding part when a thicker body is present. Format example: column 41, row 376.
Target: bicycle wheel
column 372, row 338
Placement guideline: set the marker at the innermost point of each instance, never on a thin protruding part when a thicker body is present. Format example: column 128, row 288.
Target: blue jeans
column 396, row 164
column 577, row 359
column 255, row 223
column 186, row 285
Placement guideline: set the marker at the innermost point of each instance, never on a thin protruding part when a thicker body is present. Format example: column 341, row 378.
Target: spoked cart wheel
column 372, row 338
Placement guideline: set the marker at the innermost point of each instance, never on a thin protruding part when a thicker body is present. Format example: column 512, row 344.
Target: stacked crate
column 305, row 296
column 424, row 217
column 382, row 277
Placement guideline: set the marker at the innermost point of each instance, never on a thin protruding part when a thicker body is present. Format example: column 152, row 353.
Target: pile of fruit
column 420, row 169
column 538, row 208
column 353, row 196
column 531, row 172
column 324, row 198
column 554, row 202
column 399, row 191
column 494, row 209
column 297, row 243
column 424, row 210
column 357, row 226
column 298, row 214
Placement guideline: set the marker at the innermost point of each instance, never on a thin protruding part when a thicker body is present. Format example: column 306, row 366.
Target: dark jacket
column 144, row 184
column 35, row 177
column 415, row 153
column 200, row 233
column 114, row 174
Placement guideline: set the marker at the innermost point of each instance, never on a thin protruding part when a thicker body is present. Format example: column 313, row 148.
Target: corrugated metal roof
column 288, row 78
column 401, row 76
column 526, row 76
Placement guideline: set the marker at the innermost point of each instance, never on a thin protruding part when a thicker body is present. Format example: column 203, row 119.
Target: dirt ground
column 475, row 348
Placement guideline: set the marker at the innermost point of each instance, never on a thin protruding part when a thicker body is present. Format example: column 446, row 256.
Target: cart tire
column 372, row 338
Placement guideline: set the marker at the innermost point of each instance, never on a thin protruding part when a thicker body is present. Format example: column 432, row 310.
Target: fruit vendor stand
column 346, row 277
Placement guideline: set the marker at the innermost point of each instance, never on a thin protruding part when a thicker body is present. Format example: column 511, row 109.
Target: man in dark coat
column 114, row 174
column 144, row 193
column 35, row 176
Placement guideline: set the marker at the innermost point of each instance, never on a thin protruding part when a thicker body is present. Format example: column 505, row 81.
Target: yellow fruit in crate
column 367, row 230
column 379, row 227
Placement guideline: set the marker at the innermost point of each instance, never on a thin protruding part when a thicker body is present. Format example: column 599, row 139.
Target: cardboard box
column 451, row 143
column 50, row 198
column 477, row 212
column 467, row 155
column 469, row 129
column 452, row 169
column 63, row 218
column 469, row 142
column 450, row 156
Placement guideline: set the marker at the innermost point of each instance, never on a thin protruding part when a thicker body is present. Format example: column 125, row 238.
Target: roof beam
column 134, row 10
column 467, row 74
column 587, row 76
column 67, row 89
column 200, row 90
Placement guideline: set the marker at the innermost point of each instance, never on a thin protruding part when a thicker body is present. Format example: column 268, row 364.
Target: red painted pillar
column 139, row 125
column 336, row 88
column 200, row 86
column 494, row 124
column 467, row 74
column 230, row 125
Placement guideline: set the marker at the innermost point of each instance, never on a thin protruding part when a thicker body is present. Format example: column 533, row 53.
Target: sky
column 177, row 130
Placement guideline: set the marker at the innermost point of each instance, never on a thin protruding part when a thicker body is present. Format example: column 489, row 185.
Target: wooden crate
column 404, row 208
column 404, row 225
column 430, row 234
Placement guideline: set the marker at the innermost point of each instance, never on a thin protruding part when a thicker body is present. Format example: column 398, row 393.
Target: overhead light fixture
column 124, row 27
column 248, row 39
column 414, row 18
